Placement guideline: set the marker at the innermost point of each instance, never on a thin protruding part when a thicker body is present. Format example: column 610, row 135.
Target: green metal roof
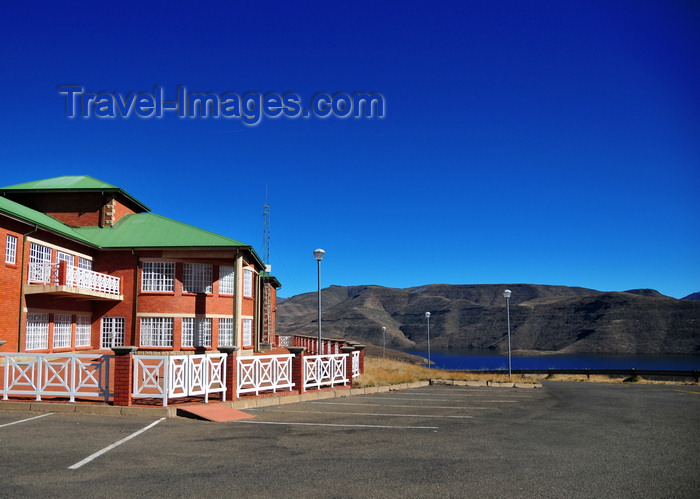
column 37, row 218
column 75, row 183
column 148, row 230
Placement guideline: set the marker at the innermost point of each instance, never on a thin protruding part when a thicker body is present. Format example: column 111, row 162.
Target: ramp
column 213, row 412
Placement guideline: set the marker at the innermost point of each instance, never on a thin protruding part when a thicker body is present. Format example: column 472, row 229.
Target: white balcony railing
column 325, row 370
column 264, row 373
column 75, row 277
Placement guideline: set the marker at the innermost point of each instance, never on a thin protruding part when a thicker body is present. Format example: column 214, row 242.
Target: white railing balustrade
column 48, row 273
column 174, row 376
column 285, row 341
column 356, row 364
column 263, row 373
column 56, row 375
column 325, row 370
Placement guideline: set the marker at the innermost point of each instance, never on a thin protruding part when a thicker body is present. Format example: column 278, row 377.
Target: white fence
column 48, row 273
column 56, row 375
column 325, row 370
column 264, row 373
column 173, row 376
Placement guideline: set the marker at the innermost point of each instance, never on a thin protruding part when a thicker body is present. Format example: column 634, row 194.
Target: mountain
column 543, row 318
column 692, row 296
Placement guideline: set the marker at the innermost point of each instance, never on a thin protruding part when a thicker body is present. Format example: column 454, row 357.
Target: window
column 11, row 249
column 83, row 336
column 62, row 329
column 37, row 331
column 226, row 280
column 112, row 334
column 225, row 332
column 39, row 263
column 62, row 256
column 248, row 283
column 196, row 332
column 156, row 332
column 158, row 276
column 196, row 278
column 247, row 332
column 84, row 263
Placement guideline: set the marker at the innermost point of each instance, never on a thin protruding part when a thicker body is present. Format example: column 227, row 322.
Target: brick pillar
column 231, row 375
column 62, row 271
column 123, row 374
column 298, row 367
column 348, row 362
column 361, row 348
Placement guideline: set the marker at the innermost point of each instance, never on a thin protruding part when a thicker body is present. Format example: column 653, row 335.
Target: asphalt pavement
column 563, row 440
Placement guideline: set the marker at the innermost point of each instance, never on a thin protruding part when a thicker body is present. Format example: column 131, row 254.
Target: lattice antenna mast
column 267, row 317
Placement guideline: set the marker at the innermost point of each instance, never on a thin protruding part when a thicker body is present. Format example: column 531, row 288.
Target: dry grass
column 382, row 372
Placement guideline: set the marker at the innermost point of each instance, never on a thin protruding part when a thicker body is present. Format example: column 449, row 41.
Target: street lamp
column 427, row 316
column 384, row 340
column 318, row 255
column 506, row 295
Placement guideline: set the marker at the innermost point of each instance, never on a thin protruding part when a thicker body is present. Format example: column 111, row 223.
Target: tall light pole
column 318, row 255
column 427, row 316
column 384, row 340
column 506, row 295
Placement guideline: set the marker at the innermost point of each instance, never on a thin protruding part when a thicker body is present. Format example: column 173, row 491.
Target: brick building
column 87, row 267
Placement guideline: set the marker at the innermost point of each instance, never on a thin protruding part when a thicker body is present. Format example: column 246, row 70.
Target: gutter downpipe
column 21, row 286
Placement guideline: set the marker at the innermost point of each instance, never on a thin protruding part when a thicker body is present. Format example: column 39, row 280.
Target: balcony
column 62, row 279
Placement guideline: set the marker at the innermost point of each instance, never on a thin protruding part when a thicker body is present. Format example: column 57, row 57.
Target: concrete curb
column 241, row 404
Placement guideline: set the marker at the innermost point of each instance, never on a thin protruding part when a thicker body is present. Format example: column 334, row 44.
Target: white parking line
column 374, row 414
column 28, row 419
column 250, row 421
column 115, row 444
column 406, row 406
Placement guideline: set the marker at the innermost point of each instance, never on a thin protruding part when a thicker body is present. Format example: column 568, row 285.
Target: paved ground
column 565, row 440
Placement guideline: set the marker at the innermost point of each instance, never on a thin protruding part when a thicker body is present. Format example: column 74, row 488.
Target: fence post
column 298, row 377
column 348, row 362
column 361, row 349
column 62, row 272
column 123, row 374
column 231, row 375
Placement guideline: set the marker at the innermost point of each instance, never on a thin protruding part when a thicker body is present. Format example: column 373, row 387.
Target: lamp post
column 318, row 255
column 506, row 295
column 427, row 316
column 384, row 340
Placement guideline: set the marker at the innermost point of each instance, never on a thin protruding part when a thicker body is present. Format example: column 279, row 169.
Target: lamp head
column 506, row 293
column 427, row 315
column 318, row 254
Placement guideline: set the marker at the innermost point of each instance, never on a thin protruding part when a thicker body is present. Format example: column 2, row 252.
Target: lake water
column 487, row 360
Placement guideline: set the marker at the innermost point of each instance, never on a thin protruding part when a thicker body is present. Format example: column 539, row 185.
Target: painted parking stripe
column 407, row 406
column 25, row 420
column 374, row 414
column 338, row 425
column 115, row 444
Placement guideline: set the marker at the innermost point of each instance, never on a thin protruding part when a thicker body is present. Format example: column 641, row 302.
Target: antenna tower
column 266, row 325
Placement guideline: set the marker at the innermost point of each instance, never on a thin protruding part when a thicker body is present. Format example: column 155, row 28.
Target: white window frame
column 112, row 332
column 247, row 283
column 226, row 280
column 158, row 277
column 156, row 332
column 197, row 278
column 83, row 331
column 226, row 332
column 11, row 249
column 196, row 332
column 62, row 256
column 37, row 332
column 84, row 263
column 247, row 332
column 38, row 253
column 62, row 331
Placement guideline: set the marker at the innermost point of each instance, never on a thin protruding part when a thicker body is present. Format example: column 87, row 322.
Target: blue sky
column 539, row 142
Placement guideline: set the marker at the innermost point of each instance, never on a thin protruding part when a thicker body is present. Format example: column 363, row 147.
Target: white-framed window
column 37, row 332
column 225, row 332
column 39, row 253
column 226, row 280
column 83, row 336
column 248, row 283
column 247, row 332
column 196, row 278
column 156, row 331
column 62, row 256
column 40, row 264
column 196, row 332
column 62, row 330
column 158, row 276
column 84, row 263
column 112, row 332
column 11, row 249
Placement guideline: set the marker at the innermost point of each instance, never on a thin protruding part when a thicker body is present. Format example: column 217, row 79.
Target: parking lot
column 564, row 440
